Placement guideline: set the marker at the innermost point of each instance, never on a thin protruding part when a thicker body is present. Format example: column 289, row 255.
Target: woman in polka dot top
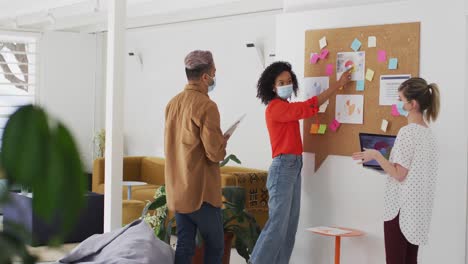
column 411, row 170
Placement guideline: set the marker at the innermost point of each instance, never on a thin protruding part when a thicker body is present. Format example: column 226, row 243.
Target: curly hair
column 266, row 83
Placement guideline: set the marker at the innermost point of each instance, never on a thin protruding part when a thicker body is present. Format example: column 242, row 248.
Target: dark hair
column 196, row 73
column 427, row 96
column 266, row 83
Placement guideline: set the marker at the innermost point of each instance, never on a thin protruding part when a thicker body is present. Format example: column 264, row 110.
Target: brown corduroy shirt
column 194, row 146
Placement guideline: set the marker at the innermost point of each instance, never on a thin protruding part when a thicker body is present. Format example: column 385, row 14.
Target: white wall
column 163, row 48
column 466, row 112
column 67, row 81
column 302, row 5
column 342, row 193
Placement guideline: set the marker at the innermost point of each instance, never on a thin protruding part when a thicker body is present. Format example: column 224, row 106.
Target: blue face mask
column 400, row 108
column 284, row 91
column 211, row 87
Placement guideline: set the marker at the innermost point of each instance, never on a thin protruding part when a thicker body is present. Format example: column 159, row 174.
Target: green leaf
column 170, row 229
column 239, row 221
column 48, row 162
column 235, row 159
column 25, row 146
column 228, row 158
column 235, row 195
column 159, row 202
column 199, row 239
column 65, row 170
column 241, row 248
column 161, row 233
column 228, row 220
column 11, row 246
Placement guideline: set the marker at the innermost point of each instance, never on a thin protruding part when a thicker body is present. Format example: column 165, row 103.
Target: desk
column 353, row 233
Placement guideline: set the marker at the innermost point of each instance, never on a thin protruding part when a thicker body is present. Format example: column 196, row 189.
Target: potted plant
column 40, row 154
column 238, row 223
column 99, row 143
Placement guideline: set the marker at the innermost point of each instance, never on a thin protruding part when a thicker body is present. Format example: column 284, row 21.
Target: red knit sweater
column 282, row 118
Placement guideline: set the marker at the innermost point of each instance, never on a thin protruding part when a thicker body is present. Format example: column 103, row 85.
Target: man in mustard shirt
column 194, row 146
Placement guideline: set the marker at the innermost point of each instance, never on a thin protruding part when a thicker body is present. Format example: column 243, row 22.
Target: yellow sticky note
column 314, row 129
column 369, row 75
column 322, row 129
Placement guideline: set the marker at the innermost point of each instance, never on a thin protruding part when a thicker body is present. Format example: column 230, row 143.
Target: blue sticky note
column 393, row 64
column 356, row 44
column 360, row 85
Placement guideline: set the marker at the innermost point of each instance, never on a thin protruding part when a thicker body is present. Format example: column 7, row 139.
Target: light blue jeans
column 276, row 242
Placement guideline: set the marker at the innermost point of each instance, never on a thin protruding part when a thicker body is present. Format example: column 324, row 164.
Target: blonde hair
column 427, row 96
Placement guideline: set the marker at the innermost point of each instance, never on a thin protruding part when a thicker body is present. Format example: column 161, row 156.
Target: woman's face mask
column 284, row 91
column 400, row 106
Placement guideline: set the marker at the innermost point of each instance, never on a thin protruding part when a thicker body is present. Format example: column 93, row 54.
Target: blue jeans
column 276, row 242
column 208, row 220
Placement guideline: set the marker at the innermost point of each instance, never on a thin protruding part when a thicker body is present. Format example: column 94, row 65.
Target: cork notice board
column 400, row 41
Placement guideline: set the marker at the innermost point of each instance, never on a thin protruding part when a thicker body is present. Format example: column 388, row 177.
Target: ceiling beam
column 77, row 21
column 194, row 14
column 91, row 16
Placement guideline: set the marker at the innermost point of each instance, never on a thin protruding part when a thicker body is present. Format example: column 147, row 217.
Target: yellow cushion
column 230, row 169
column 131, row 210
column 144, row 194
column 152, row 170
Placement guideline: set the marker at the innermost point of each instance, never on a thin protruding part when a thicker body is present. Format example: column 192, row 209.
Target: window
column 17, row 76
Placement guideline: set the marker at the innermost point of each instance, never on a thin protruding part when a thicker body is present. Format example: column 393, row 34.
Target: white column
column 114, row 114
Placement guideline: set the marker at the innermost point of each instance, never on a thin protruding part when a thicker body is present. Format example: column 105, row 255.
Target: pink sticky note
column 324, row 54
column 314, row 58
column 395, row 110
column 334, row 125
column 329, row 70
column 382, row 55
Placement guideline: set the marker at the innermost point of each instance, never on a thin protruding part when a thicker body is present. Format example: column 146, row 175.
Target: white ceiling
column 91, row 15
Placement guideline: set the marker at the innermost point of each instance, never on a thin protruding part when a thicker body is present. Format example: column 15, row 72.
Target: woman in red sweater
column 275, row 87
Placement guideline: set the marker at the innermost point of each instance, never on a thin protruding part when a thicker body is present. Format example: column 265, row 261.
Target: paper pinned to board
column 334, row 125
column 323, row 42
column 314, row 128
column 382, row 56
column 360, row 85
column 371, row 42
column 234, row 126
column 323, row 54
column 356, row 45
column 384, row 125
column 329, row 69
column 393, row 64
column 389, row 85
column 369, row 75
column 322, row 129
column 313, row 86
column 314, row 57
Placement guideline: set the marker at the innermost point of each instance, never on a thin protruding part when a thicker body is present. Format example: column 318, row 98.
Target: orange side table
column 354, row 233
